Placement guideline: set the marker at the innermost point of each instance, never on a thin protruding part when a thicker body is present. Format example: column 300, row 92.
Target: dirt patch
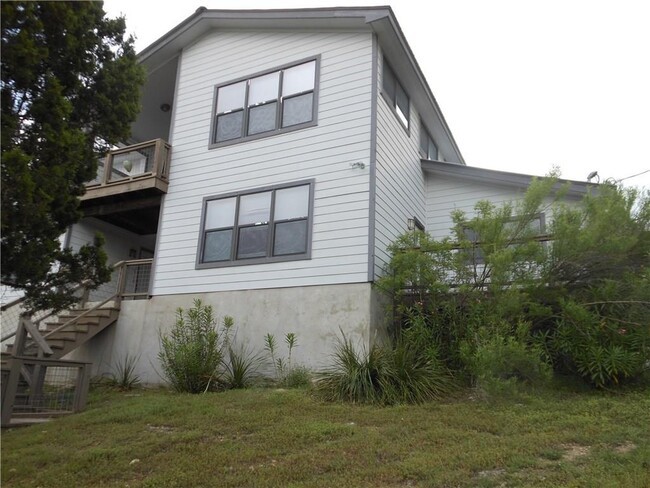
column 490, row 473
column 165, row 429
column 625, row 448
column 574, row 451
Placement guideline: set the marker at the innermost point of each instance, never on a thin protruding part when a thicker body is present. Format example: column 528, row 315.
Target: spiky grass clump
column 124, row 376
column 383, row 375
column 241, row 367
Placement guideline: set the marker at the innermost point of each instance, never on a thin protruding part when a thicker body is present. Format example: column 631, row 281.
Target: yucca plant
column 385, row 375
column 124, row 376
column 355, row 376
column 241, row 367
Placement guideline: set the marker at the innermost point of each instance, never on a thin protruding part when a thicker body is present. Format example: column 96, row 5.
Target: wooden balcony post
column 158, row 158
column 121, row 284
column 84, row 297
column 108, row 168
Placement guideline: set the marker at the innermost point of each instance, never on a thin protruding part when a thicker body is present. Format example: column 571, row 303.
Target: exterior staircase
column 71, row 329
column 37, row 383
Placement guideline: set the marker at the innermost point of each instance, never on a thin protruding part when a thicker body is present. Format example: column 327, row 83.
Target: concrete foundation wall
column 316, row 314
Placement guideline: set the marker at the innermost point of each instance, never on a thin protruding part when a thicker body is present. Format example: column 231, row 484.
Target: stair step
column 100, row 312
column 64, row 335
column 82, row 328
column 81, row 321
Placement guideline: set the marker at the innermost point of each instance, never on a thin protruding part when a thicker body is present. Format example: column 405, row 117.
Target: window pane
column 262, row 118
column 475, row 253
column 229, row 126
column 290, row 238
column 255, row 208
column 253, row 241
column 470, row 234
column 264, row 88
column 297, row 110
column 220, row 213
column 424, row 140
column 292, row 203
column 389, row 82
column 299, row 78
column 231, row 97
column 433, row 151
column 402, row 102
column 217, row 245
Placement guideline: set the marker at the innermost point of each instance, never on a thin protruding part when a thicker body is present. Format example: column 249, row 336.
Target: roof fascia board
column 204, row 16
column 519, row 180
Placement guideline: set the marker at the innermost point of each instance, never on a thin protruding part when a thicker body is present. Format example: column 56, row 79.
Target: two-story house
column 290, row 148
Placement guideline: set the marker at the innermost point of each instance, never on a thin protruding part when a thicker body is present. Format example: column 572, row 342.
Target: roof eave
column 497, row 177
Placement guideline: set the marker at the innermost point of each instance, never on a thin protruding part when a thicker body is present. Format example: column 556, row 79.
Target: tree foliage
column 576, row 295
column 70, row 90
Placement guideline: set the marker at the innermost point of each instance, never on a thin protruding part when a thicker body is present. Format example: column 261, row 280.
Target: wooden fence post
column 10, row 391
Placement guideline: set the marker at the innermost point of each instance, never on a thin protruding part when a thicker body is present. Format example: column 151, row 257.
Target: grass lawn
column 268, row 437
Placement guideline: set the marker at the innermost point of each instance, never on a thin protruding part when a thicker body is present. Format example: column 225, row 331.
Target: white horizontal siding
column 446, row 194
column 399, row 192
column 119, row 242
column 325, row 153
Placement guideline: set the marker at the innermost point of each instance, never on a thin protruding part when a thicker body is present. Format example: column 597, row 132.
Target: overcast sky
column 523, row 85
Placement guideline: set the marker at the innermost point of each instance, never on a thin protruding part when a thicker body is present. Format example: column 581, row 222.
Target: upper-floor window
column 262, row 225
column 396, row 94
column 265, row 104
column 427, row 145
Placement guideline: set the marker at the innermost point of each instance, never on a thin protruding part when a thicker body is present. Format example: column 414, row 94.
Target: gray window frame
column 212, row 143
column 477, row 256
column 234, row 261
column 392, row 101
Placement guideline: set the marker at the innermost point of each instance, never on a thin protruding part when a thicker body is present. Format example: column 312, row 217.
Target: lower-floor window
column 261, row 225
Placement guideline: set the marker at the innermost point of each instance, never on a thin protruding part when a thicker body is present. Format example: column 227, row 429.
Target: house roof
column 503, row 178
column 380, row 20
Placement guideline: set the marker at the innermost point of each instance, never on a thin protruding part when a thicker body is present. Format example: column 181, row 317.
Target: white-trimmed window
column 428, row 147
column 395, row 94
column 262, row 225
column 274, row 101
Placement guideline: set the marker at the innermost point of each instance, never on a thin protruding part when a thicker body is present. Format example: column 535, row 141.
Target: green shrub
column 500, row 363
column 583, row 284
column 603, row 349
column 192, row 353
column 384, row 375
column 286, row 373
column 297, row 377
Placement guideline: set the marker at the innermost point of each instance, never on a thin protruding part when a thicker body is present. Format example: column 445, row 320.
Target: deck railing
column 130, row 281
column 129, row 163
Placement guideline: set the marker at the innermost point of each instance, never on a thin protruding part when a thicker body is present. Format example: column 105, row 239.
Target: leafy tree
column 69, row 91
column 497, row 287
